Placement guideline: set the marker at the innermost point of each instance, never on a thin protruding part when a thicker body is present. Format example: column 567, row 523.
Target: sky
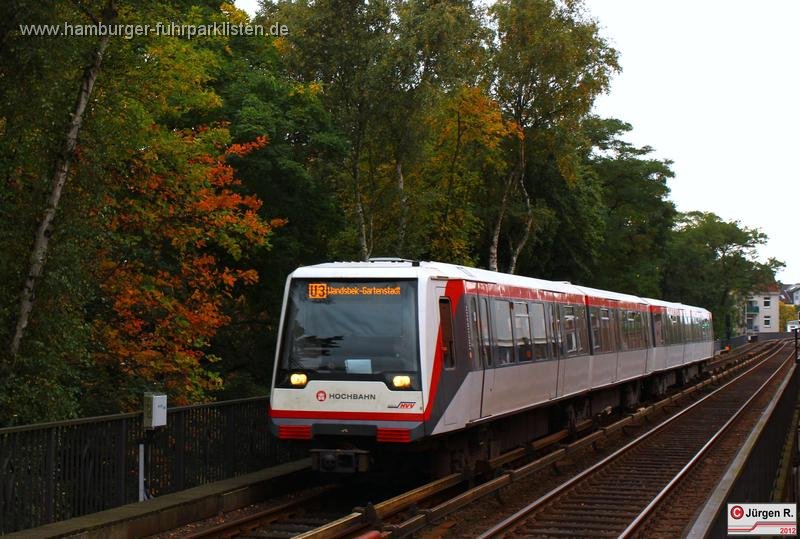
column 713, row 86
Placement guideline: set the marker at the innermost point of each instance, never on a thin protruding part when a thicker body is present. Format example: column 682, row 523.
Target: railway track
column 309, row 516
column 615, row 496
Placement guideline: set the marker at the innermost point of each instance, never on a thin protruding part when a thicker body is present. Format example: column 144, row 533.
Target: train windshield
column 363, row 327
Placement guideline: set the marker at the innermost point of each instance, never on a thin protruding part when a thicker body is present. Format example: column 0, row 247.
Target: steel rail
column 632, row 527
column 424, row 519
column 232, row 527
column 528, row 509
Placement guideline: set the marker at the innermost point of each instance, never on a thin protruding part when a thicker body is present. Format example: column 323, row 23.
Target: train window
column 555, row 333
column 522, row 332
column 594, row 325
column 602, row 330
column 446, row 325
column 675, row 330
column 633, row 331
column 658, row 329
column 583, row 329
column 571, row 335
column 627, row 325
column 486, row 337
column 539, row 331
column 607, row 330
column 503, row 334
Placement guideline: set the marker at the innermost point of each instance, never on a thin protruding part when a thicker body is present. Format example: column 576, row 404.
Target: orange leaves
column 179, row 229
column 242, row 150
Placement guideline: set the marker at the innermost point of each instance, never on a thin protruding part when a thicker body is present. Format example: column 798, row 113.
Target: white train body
column 395, row 352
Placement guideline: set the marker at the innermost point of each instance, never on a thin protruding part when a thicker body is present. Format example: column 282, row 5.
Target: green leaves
column 714, row 263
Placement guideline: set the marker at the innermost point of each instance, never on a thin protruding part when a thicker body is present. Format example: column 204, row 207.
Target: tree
column 179, row 232
column 787, row 312
column 342, row 45
column 713, row 264
column 636, row 212
column 152, row 93
column 548, row 65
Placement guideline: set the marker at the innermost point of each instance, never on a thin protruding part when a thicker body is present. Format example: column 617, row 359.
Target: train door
column 482, row 329
column 459, row 398
column 555, row 341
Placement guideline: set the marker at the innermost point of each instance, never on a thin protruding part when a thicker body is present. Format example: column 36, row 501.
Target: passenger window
column 555, row 333
column 607, row 331
column 594, row 326
column 522, row 332
column 658, row 329
column 539, row 332
column 503, row 336
column 571, row 343
column 448, row 343
column 674, row 330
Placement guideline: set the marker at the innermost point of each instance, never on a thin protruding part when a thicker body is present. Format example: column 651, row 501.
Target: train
column 391, row 357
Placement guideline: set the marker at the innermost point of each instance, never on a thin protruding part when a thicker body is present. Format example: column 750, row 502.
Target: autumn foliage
column 180, row 231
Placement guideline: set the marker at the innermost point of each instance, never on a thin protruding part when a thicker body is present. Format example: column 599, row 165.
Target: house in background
column 790, row 294
column 762, row 311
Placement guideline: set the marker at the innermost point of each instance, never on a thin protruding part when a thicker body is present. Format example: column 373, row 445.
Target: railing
column 55, row 471
column 754, row 479
column 752, row 309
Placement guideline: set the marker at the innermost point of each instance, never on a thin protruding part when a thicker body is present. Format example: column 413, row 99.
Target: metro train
column 461, row 363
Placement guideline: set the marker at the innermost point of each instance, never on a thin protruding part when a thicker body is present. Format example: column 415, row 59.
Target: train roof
column 402, row 268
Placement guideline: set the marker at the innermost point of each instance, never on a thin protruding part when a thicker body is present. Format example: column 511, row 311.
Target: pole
column 796, row 356
column 141, row 472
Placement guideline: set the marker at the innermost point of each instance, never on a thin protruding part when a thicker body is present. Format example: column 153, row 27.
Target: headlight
column 401, row 381
column 298, row 379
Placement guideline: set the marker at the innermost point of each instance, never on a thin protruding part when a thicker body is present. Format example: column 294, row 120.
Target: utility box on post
column 155, row 410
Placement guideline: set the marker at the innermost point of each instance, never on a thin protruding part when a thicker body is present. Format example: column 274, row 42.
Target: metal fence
column 755, row 479
column 55, row 471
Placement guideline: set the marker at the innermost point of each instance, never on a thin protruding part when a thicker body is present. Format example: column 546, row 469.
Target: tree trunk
column 516, row 250
column 499, row 225
column 401, row 234
column 362, row 222
column 512, row 268
column 62, row 166
column 518, row 171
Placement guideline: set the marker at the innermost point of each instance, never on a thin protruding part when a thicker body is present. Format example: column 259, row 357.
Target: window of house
column 767, row 321
column 766, row 301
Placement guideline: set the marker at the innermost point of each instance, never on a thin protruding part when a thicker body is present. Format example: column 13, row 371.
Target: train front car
column 348, row 372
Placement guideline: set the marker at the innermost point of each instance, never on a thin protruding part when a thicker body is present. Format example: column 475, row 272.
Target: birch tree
column 61, row 170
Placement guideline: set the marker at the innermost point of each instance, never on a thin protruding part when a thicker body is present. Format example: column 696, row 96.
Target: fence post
column 179, row 424
column 229, row 451
column 50, row 475
column 122, row 454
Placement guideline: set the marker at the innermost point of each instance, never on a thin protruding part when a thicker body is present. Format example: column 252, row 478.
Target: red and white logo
column 321, row 396
column 737, row 512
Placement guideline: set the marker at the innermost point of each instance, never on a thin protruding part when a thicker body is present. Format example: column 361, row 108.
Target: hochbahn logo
column 323, row 396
